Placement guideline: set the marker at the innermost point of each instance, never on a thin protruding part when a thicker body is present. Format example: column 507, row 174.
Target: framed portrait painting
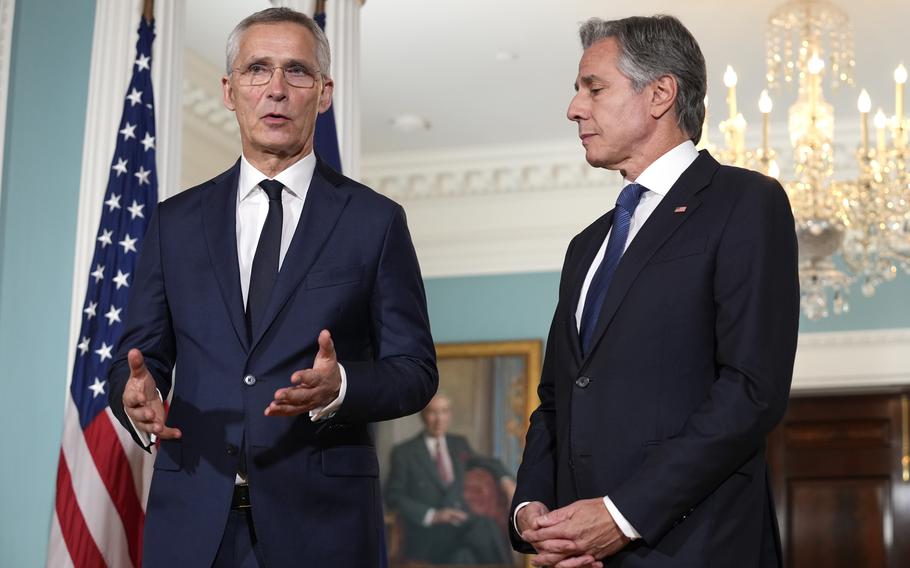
column 449, row 472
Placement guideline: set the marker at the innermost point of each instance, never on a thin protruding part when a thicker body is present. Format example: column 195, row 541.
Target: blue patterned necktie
column 597, row 291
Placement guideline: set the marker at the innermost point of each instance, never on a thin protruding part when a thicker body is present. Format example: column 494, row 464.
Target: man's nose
column 578, row 109
column 277, row 86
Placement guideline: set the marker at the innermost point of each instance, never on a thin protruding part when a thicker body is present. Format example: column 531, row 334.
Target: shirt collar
column 296, row 177
column 663, row 172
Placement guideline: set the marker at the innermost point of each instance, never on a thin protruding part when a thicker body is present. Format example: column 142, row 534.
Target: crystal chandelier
column 853, row 231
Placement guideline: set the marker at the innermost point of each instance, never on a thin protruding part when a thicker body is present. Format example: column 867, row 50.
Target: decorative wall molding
column 113, row 51
column 7, row 17
column 852, row 360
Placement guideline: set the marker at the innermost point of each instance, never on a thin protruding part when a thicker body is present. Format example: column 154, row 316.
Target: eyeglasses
column 257, row 74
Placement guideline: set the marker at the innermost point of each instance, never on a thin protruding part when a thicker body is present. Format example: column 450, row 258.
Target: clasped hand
column 571, row 537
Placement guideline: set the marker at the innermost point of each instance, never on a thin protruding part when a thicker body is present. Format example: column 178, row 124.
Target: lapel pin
column 681, row 209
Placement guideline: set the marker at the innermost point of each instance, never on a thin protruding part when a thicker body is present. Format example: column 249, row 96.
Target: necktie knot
column 630, row 196
column 272, row 188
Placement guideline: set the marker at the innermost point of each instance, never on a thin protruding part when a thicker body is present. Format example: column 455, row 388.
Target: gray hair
column 277, row 16
column 650, row 47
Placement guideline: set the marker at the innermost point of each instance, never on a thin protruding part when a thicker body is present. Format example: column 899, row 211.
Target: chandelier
column 849, row 231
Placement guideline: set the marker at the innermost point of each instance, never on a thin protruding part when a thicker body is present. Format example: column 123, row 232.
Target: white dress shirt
column 657, row 178
column 252, row 209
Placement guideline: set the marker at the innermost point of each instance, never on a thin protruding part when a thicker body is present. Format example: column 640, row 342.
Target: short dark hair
column 653, row 46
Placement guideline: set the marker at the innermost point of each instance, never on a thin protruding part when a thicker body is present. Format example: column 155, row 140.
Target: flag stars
column 128, row 243
column 120, row 167
column 113, row 202
column 135, row 97
column 113, row 315
column 136, row 210
column 91, row 310
column 148, row 142
column 105, row 238
column 143, row 175
column 104, row 352
column 98, row 274
column 97, row 387
column 143, row 62
column 83, row 346
column 128, row 131
column 120, row 279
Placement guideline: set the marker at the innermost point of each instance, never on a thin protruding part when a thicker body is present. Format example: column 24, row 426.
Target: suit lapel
column 219, row 220
column 577, row 280
column 662, row 223
column 321, row 210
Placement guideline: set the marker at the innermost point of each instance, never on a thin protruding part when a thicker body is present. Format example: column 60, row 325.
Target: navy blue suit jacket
column 689, row 370
column 351, row 269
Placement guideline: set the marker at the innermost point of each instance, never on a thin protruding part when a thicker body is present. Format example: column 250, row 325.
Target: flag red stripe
column 82, row 547
column 114, row 470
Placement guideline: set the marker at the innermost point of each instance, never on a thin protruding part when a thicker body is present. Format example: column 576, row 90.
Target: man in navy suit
column 671, row 351
column 287, row 302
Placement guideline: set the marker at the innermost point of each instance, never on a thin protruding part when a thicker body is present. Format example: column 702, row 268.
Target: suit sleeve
column 402, row 377
column 756, row 294
column 148, row 327
column 536, row 479
column 399, row 489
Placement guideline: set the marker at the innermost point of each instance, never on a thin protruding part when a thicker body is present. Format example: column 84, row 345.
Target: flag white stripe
column 98, row 509
column 140, row 461
column 58, row 556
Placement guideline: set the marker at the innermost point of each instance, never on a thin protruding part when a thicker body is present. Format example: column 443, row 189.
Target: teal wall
column 51, row 50
column 50, row 65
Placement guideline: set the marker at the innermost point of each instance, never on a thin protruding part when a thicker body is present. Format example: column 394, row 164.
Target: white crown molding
column 7, row 17
column 113, row 53
column 836, row 361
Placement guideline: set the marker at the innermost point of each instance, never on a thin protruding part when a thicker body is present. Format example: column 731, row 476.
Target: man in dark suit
column 289, row 299
column 426, row 488
column 671, row 351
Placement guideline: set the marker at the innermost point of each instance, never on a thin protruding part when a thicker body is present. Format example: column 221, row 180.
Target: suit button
column 249, row 380
column 582, row 382
column 231, row 449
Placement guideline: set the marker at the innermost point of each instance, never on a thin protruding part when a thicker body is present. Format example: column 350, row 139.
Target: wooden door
column 841, row 475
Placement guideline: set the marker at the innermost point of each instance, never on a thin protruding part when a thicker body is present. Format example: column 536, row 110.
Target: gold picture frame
column 492, row 388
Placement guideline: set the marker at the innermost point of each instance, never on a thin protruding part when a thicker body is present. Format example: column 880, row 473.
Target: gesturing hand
column 141, row 400
column 313, row 388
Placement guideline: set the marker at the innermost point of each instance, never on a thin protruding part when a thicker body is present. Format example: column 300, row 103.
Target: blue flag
column 325, row 141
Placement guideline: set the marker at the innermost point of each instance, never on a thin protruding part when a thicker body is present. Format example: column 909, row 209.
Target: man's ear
column 325, row 97
column 227, row 92
column 663, row 95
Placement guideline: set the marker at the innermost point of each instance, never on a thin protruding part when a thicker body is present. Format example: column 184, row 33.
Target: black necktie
column 619, row 233
column 265, row 263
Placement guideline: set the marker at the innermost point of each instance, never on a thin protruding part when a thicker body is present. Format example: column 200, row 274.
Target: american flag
column 102, row 474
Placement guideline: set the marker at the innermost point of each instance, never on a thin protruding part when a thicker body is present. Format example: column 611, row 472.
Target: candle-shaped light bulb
column 880, row 122
column 864, row 102
column 730, row 77
column 816, row 64
column 765, row 104
column 900, row 77
column 864, row 105
column 730, row 82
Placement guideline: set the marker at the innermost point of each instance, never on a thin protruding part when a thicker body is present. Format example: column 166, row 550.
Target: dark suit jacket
column 350, row 268
column 689, row 370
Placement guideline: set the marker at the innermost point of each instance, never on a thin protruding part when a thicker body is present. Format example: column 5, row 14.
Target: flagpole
column 148, row 10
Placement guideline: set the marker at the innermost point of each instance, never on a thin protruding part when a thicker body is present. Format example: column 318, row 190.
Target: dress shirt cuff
column 329, row 411
column 428, row 517
column 520, row 506
column 621, row 522
column 148, row 440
